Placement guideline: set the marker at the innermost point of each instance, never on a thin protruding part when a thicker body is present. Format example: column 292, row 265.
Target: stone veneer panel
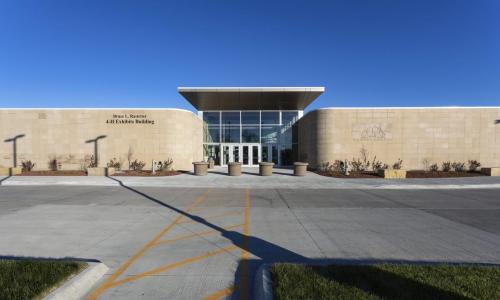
column 61, row 134
column 435, row 134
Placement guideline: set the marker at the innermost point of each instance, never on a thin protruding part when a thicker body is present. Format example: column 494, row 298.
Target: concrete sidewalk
column 282, row 178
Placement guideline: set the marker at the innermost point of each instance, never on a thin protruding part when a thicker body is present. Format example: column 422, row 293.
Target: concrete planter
column 200, row 168
column 392, row 174
column 234, row 168
column 211, row 163
column 300, row 168
column 495, row 171
column 10, row 171
column 16, row 171
column 266, row 168
column 100, row 171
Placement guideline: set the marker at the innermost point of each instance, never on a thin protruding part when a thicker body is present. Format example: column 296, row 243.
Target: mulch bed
column 441, row 174
column 54, row 173
column 145, row 173
column 409, row 174
column 351, row 175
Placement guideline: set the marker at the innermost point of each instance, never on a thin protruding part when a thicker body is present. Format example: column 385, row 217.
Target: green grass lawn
column 385, row 281
column 32, row 279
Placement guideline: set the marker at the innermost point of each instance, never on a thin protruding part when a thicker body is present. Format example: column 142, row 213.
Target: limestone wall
column 435, row 134
column 62, row 134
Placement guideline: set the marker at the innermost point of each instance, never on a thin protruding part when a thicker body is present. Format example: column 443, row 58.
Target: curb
column 79, row 285
column 263, row 285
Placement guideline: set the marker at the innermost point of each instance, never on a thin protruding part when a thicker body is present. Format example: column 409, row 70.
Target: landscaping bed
column 53, row 173
column 440, row 174
column 33, row 279
column 351, row 175
column 385, row 281
column 409, row 174
column 145, row 173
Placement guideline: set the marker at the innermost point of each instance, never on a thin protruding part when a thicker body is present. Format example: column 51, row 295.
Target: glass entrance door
column 247, row 154
column 230, row 153
column 250, row 155
column 270, row 153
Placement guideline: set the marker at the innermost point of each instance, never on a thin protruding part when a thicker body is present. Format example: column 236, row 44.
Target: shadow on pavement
column 269, row 253
column 68, row 258
column 3, row 179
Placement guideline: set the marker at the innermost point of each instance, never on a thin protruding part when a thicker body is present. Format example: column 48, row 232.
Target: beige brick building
column 413, row 134
column 250, row 125
column 62, row 134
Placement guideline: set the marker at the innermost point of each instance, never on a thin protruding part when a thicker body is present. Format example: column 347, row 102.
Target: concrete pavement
column 282, row 178
column 192, row 243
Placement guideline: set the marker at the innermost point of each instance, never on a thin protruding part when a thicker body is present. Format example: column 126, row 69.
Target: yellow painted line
column 174, row 265
column 197, row 234
column 244, row 292
column 109, row 282
column 220, row 293
column 232, row 213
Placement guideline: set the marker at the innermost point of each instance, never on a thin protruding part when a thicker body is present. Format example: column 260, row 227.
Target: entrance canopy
column 250, row 98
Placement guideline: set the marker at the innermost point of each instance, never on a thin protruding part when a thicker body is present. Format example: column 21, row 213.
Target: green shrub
column 473, row 165
column 338, row 166
column 114, row 163
column 434, row 167
column 378, row 165
column 166, row 165
column 137, row 165
column 398, row 164
column 357, row 165
column 54, row 165
column 92, row 162
column 446, row 166
column 458, row 166
column 28, row 165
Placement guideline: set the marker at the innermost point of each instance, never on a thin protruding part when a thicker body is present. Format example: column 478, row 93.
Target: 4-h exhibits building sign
column 251, row 125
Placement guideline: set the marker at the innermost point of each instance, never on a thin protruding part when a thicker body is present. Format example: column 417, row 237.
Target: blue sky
column 136, row 53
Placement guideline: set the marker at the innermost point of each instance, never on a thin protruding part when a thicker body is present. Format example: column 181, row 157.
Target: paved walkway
column 282, row 178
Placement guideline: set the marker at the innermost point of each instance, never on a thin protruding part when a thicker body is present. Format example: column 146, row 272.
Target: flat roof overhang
column 250, row 98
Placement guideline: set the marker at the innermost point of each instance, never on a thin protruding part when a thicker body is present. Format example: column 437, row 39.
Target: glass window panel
column 212, row 152
column 286, row 155
column 274, row 152
column 250, row 134
column 231, row 134
column 289, row 117
column 212, row 134
column 230, row 118
column 289, row 134
column 270, row 134
column 211, row 118
column 250, row 117
column 270, row 117
column 286, row 135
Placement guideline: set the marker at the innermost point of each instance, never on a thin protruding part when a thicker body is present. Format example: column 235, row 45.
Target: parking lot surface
column 206, row 243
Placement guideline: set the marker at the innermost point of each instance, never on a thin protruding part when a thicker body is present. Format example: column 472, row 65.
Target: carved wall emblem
column 372, row 131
